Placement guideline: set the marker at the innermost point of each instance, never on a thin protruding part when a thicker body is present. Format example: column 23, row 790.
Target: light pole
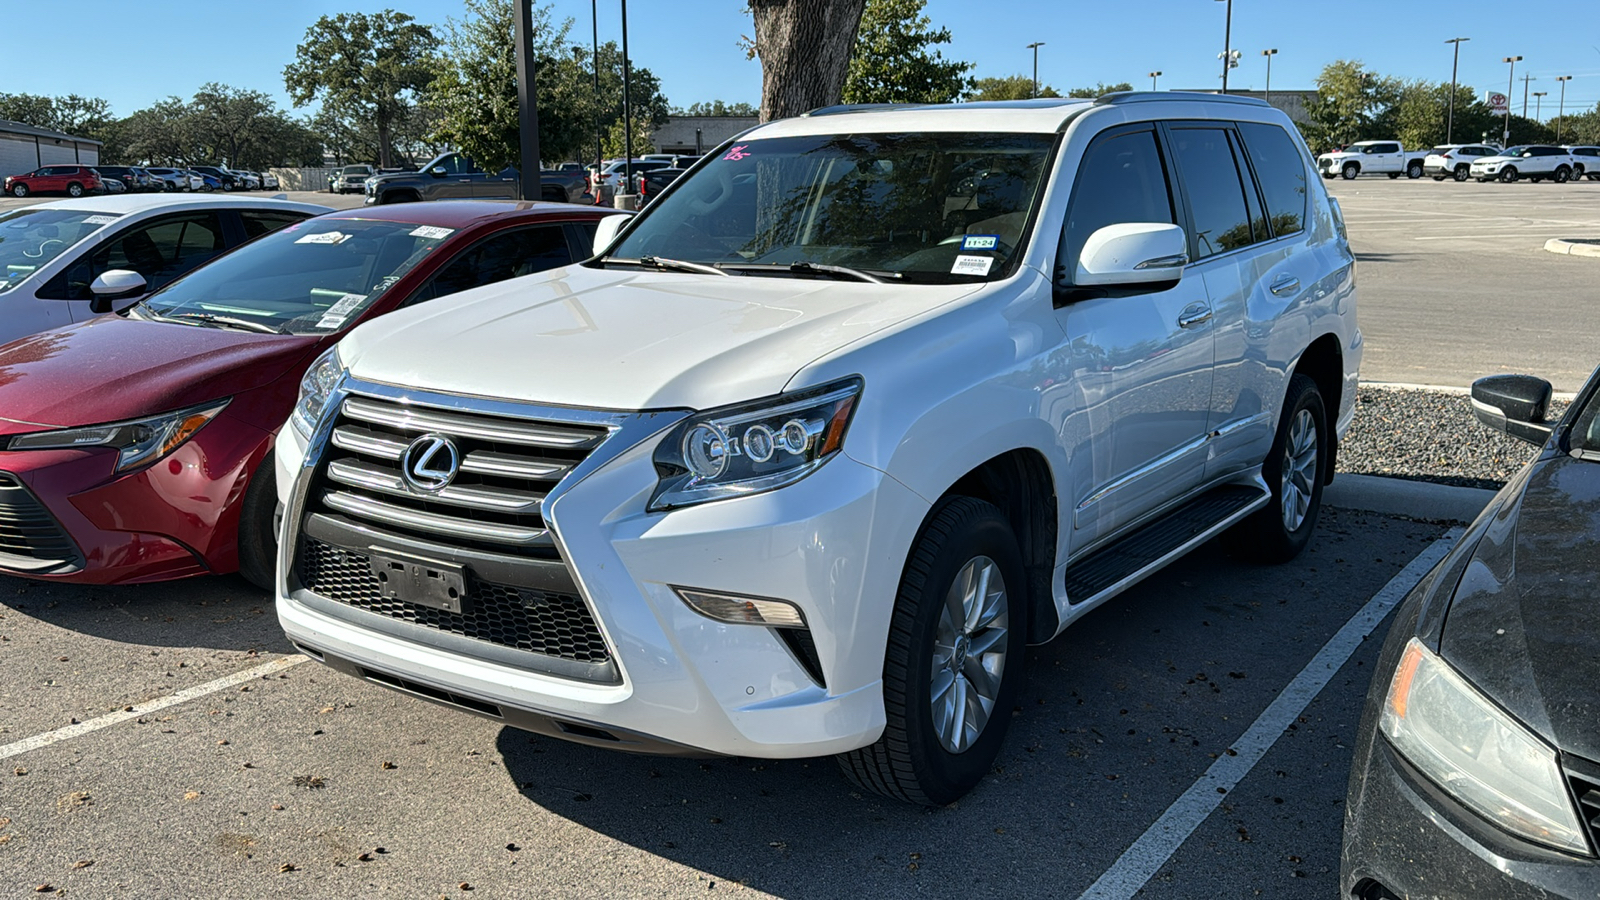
column 627, row 112
column 1450, row 123
column 599, row 137
column 1525, row 80
column 1228, row 56
column 1538, row 105
column 1511, row 83
column 1153, row 76
column 1561, row 110
column 1269, row 54
column 1035, row 48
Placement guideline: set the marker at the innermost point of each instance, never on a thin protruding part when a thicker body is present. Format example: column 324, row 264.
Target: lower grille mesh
column 522, row 618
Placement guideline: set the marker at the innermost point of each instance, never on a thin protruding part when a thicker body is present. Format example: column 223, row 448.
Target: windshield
column 30, row 238
column 312, row 277
column 356, row 170
column 928, row 207
column 1512, row 151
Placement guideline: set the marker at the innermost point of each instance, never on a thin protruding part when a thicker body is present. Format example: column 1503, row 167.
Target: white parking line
column 1153, row 848
column 67, row 732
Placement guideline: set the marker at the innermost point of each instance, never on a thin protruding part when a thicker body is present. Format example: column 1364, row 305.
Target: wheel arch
column 1323, row 363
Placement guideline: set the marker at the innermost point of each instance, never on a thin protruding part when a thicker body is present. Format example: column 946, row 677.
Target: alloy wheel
column 969, row 654
column 1299, row 469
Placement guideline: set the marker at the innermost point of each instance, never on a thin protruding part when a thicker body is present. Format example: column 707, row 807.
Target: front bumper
column 1406, row 836
column 833, row 544
column 176, row 518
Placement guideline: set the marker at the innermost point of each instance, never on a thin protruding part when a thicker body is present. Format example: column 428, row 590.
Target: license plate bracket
column 424, row 582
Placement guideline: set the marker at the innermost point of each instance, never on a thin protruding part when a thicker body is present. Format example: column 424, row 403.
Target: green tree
column 28, row 109
column 1349, row 98
column 1099, row 90
column 371, row 65
column 894, row 61
column 717, row 108
column 1013, row 87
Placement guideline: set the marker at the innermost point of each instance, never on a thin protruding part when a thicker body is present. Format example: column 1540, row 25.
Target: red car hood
column 111, row 368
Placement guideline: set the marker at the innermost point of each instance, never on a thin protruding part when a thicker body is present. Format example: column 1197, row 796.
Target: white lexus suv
column 865, row 402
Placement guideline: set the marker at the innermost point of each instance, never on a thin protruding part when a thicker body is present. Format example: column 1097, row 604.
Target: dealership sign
column 1497, row 102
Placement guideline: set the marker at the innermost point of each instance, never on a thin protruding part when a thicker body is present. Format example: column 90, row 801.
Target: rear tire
column 1295, row 470
column 258, row 539
column 74, row 189
column 1414, row 170
column 948, row 686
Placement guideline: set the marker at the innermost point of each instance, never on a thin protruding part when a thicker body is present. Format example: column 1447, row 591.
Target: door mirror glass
column 605, row 231
column 1514, row 404
column 1132, row 253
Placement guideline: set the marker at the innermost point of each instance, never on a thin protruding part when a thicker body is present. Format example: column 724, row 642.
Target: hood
column 1524, row 625
column 625, row 339
column 111, row 368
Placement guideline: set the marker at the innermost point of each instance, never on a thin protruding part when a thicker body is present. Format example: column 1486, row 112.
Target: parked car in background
column 269, row 181
column 1535, row 162
column 181, row 483
column 113, row 185
column 1372, row 158
column 132, row 177
column 74, row 181
column 648, row 184
column 1477, row 761
column 1585, row 161
column 804, row 457
column 454, row 176
column 1455, row 160
column 350, row 179
column 177, row 179
column 220, row 177
column 209, row 182
column 611, row 176
column 249, row 181
column 51, row 254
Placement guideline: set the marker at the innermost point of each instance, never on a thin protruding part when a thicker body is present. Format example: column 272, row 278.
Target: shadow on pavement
column 218, row 612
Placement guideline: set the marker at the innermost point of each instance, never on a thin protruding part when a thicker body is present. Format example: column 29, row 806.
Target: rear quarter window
column 1281, row 171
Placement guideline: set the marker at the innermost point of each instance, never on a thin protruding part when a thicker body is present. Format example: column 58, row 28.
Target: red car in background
column 131, row 445
column 74, row 181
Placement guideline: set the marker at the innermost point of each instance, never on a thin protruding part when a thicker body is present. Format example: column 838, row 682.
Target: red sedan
column 132, row 443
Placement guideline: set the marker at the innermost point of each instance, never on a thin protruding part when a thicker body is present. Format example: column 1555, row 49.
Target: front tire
column 1351, row 171
column 1508, row 175
column 954, row 661
column 1295, row 470
column 258, row 539
column 1562, row 174
column 19, row 190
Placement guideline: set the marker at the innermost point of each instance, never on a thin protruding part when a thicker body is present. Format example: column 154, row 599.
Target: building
column 24, row 148
column 697, row 135
column 1292, row 102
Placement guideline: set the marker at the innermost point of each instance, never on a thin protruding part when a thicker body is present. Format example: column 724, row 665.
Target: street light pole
column 1153, row 76
column 1269, row 54
column 1227, row 44
column 1455, row 63
column 1511, row 84
column 627, row 111
column 1035, row 48
column 1562, row 109
column 1525, row 80
column 599, row 138
column 1538, row 105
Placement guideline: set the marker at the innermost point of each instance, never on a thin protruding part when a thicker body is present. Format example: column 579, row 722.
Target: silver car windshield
column 937, row 207
column 31, row 238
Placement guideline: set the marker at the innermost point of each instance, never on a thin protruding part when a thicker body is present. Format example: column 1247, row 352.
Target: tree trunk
column 384, row 156
column 804, row 47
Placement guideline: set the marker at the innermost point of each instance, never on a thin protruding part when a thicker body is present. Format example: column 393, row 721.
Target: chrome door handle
column 1194, row 314
column 1284, row 284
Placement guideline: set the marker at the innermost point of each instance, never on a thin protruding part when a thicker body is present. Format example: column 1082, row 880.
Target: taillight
column 1445, row 155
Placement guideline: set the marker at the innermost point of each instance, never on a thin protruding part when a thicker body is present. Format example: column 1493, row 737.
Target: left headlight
column 316, row 386
column 1481, row 756
column 138, row 442
column 753, row 447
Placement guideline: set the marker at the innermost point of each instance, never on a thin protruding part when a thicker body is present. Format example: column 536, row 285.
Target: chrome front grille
column 495, row 502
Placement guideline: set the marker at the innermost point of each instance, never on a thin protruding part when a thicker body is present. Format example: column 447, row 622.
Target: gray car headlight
column 1476, row 752
column 316, row 386
column 138, row 442
column 753, row 447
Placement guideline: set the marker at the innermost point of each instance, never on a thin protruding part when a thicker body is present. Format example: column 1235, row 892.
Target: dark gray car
column 453, row 176
column 1477, row 765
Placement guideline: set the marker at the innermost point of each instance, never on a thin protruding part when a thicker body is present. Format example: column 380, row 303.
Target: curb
column 1574, row 246
column 1412, row 499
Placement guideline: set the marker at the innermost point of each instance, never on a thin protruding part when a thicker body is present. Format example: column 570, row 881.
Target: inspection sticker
column 430, row 231
column 325, row 237
column 330, row 321
column 343, row 305
column 971, row 265
column 980, row 242
column 99, row 220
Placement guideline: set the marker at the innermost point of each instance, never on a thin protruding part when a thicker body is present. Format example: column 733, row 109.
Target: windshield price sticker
column 433, row 232
column 326, row 237
column 980, row 242
column 344, row 305
column 99, row 220
column 971, row 265
column 329, row 320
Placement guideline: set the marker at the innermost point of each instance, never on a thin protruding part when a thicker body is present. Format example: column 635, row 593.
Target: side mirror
column 437, row 171
column 1132, row 253
column 605, row 232
column 113, row 285
column 1514, row 404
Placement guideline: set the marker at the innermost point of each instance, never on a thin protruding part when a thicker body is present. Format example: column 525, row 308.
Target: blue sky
column 169, row 47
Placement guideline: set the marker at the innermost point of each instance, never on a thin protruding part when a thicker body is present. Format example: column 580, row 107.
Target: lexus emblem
column 430, row 463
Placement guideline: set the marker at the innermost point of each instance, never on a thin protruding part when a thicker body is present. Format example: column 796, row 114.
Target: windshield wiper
column 661, row 262
column 811, row 268
column 213, row 319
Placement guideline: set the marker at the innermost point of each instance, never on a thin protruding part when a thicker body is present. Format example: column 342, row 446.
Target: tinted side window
column 1216, row 194
column 1122, row 179
column 163, row 251
column 508, row 255
column 259, row 222
column 1386, row 148
column 1282, row 172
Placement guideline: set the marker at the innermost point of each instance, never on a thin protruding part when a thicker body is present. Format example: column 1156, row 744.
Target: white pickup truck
column 1372, row 158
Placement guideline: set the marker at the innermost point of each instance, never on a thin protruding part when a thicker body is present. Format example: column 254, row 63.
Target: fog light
column 740, row 610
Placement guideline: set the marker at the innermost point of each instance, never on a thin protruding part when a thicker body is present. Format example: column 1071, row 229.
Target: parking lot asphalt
column 298, row 781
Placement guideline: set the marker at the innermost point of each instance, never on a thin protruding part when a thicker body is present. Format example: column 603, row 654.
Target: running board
column 1120, row 565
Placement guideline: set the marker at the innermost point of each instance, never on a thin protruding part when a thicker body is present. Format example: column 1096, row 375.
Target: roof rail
column 841, row 108
column 1035, row 103
column 1153, row 96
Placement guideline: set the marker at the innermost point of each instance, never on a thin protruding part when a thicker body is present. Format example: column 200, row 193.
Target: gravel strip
column 1430, row 436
